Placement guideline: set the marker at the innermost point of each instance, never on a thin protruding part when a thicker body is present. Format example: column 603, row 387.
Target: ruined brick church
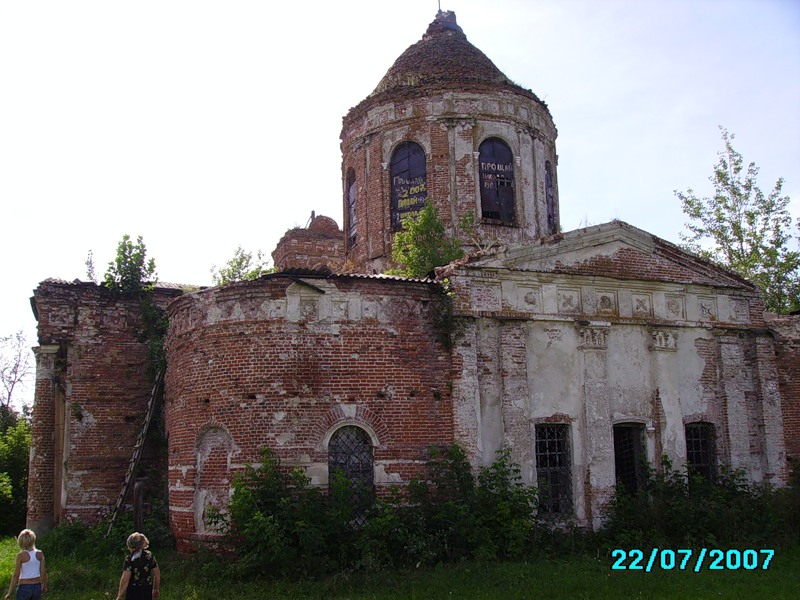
column 588, row 353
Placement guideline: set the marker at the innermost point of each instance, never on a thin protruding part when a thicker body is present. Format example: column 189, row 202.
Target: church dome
column 443, row 60
column 446, row 126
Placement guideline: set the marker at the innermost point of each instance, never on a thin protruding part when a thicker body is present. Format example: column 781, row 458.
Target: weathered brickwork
column 611, row 337
column 787, row 349
column 318, row 246
column 281, row 363
column 446, row 96
column 92, row 386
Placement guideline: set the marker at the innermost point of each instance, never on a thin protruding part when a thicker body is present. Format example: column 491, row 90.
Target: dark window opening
column 408, row 181
column 701, row 456
column 550, row 198
column 553, row 469
column 350, row 454
column 497, row 181
column 351, row 207
column 629, row 456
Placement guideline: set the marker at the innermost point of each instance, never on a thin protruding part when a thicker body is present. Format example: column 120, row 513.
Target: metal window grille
column 700, row 449
column 496, row 171
column 409, row 182
column 629, row 457
column 350, row 452
column 553, row 469
column 550, row 198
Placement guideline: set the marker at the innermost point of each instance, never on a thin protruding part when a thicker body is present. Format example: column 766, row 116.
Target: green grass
column 192, row 578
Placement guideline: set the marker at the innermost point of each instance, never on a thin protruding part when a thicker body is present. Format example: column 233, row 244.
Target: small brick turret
column 319, row 246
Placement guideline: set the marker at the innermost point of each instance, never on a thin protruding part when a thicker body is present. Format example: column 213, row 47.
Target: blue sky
column 205, row 125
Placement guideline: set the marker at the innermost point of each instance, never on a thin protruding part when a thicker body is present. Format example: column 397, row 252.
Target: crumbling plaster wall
column 545, row 348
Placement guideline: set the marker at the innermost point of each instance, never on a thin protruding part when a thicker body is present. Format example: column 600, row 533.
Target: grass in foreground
column 190, row 578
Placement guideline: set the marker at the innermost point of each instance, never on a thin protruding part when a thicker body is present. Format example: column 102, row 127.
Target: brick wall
column 91, row 392
column 280, row 363
column 449, row 127
column 319, row 246
column 787, row 337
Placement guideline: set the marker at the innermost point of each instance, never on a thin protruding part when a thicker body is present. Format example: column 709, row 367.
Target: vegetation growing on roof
column 423, row 245
column 242, row 266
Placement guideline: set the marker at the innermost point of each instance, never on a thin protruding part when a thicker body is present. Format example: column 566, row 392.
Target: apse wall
column 284, row 362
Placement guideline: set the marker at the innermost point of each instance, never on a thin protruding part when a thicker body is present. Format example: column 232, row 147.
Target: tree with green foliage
column 742, row 229
column 15, row 443
column 15, row 435
column 241, row 267
column 130, row 273
column 423, row 244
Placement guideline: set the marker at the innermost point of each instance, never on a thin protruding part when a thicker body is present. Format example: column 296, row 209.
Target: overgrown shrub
column 677, row 509
column 73, row 538
column 76, row 539
column 423, row 244
column 282, row 525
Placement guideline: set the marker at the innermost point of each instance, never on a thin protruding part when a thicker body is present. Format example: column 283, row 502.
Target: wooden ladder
column 137, row 450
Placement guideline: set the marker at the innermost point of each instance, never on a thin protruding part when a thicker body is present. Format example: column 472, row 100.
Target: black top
column 141, row 568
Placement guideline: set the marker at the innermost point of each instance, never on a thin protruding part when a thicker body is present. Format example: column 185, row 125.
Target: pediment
column 616, row 250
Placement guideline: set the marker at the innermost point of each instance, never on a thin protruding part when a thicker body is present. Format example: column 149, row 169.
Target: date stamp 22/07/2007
column 686, row 559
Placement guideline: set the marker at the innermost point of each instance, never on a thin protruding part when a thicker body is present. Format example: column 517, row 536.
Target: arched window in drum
column 409, row 182
column 497, row 181
column 351, row 208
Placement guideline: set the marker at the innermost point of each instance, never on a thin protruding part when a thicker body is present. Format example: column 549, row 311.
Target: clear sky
column 202, row 125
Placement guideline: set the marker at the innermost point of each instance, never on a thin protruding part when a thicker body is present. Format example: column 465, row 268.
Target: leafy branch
column 745, row 230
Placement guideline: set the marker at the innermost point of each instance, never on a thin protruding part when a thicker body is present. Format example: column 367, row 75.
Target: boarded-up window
column 351, row 207
column 629, row 456
column 701, row 456
column 408, row 182
column 350, row 453
column 497, row 181
column 550, row 198
column 212, row 488
column 553, row 469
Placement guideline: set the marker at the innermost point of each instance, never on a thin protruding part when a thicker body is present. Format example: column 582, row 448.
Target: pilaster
column 599, row 430
column 41, row 493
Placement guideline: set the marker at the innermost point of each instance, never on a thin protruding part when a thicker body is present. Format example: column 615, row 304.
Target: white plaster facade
column 663, row 339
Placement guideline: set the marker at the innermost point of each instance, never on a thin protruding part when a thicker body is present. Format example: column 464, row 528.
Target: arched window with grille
column 350, row 454
column 351, row 207
column 496, row 170
column 408, row 181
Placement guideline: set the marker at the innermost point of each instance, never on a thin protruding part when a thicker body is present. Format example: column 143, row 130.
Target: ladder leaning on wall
column 137, row 450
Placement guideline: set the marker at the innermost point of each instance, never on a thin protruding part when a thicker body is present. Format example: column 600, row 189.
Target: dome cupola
column 443, row 60
column 444, row 125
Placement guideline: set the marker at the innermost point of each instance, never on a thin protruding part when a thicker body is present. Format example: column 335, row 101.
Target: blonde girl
column 30, row 573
